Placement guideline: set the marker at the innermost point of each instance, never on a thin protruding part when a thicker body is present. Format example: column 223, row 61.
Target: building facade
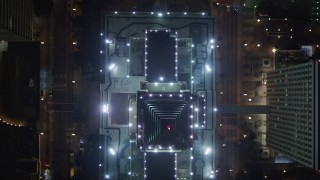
column 292, row 125
column 16, row 20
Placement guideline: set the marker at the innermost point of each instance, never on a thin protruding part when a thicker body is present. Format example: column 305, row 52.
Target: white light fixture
column 215, row 109
column 107, row 176
column 111, row 66
column 105, row 108
column 108, row 41
column 112, row 152
column 208, row 68
column 160, row 14
column 207, row 151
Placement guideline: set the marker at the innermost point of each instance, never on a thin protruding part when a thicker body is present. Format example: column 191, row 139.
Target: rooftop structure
column 159, row 71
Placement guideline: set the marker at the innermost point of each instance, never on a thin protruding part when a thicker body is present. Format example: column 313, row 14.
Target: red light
column 168, row 127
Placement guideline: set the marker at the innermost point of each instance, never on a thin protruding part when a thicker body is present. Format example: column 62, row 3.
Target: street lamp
column 274, row 50
column 39, row 151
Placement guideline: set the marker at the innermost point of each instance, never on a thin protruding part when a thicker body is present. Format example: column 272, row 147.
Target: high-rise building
column 16, row 20
column 292, row 125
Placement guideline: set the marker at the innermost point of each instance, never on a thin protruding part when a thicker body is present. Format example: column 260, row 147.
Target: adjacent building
column 16, row 20
column 293, row 121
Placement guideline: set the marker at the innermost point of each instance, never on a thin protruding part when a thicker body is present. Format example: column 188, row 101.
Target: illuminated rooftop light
column 156, row 84
column 108, row 41
column 105, row 108
column 160, row 14
column 152, row 12
column 207, row 151
column 215, row 109
column 133, row 12
column 128, row 44
column 168, row 13
column 130, row 109
column 101, row 34
column 107, row 176
column 211, row 41
column 111, row 66
column 208, row 68
column 112, row 152
column 258, row 45
column 258, row 20
column 203, row 13
column 185, row 13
